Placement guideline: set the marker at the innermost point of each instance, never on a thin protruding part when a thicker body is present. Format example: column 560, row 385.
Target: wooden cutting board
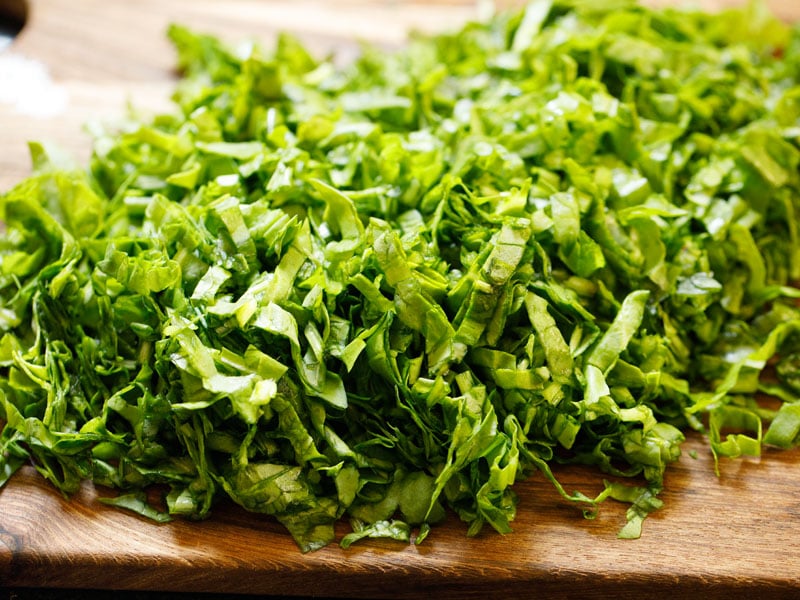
column 716, row 536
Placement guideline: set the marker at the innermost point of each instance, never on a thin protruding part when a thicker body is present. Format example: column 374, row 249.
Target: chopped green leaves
column 383, row 291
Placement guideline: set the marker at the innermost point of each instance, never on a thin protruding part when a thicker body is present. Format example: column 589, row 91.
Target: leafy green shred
column 385, row 290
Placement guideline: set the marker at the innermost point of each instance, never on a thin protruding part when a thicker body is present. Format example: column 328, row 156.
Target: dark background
column 52, row 594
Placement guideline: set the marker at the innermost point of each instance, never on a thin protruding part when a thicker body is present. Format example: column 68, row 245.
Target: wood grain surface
column 716, row 536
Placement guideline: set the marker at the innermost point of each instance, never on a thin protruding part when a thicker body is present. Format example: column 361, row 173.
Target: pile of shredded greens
column 391, row 289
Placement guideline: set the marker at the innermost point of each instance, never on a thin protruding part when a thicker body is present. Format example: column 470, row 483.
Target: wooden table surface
column 736, row 534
